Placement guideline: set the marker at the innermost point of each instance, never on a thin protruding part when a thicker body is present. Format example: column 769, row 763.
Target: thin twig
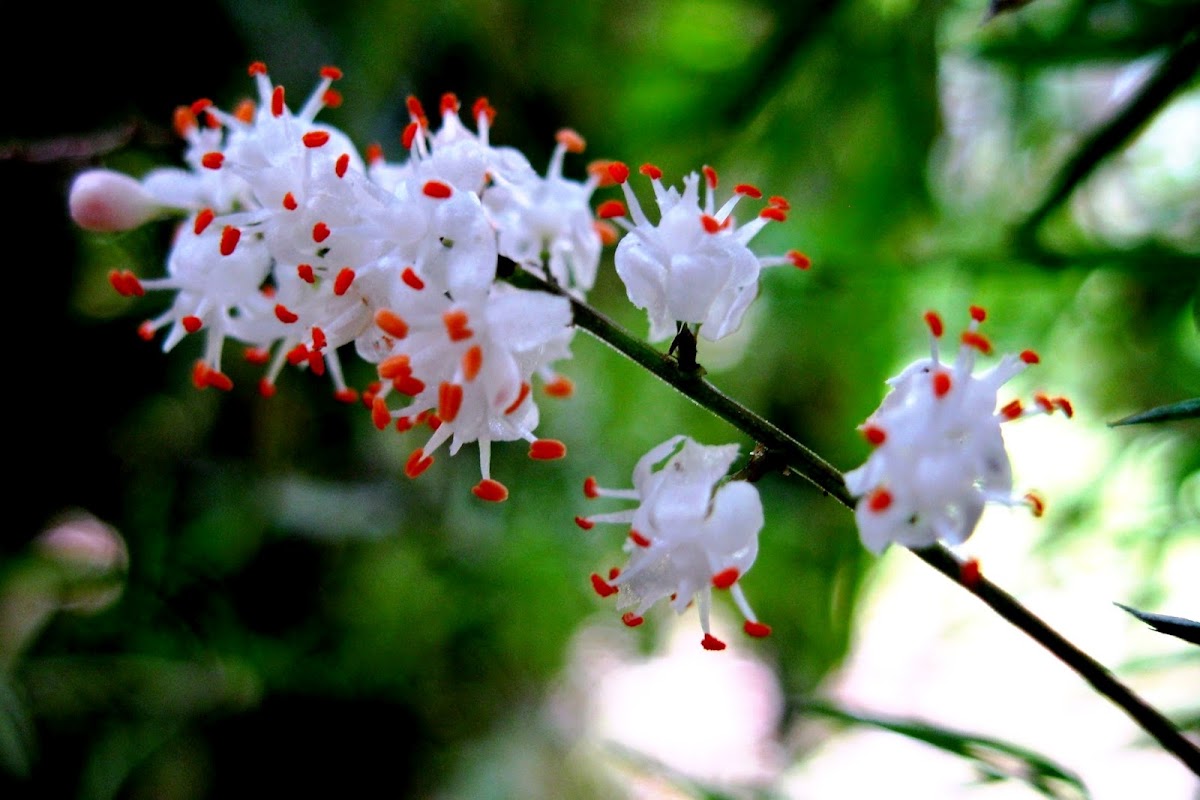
column 789, row 456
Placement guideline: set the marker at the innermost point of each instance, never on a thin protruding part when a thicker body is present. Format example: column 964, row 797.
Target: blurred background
column 219, row 595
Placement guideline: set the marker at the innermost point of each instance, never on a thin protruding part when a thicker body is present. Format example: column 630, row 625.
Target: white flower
column 694, row 266
column 939, row 452
column 686, row 536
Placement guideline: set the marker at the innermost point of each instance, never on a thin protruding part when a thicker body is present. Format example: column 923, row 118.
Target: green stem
column 785, row 453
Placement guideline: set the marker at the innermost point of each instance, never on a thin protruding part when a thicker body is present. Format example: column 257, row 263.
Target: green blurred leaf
column 1185, row 409
column 16, row 730
column 995, row 759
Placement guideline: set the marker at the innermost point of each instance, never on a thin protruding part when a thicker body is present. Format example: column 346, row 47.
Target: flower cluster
column 939, row 452
column 686, row 536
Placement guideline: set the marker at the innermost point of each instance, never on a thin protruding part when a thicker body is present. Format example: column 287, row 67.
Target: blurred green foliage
column 297, row 616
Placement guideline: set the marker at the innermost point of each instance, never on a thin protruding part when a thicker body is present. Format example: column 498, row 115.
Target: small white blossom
column 694, row 265
column 939, row 452
column 687, row 536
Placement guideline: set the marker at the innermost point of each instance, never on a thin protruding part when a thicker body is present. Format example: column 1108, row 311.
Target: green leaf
column 1186, row 629
column 16, row 730
column 995, row 759
column 1184, row 409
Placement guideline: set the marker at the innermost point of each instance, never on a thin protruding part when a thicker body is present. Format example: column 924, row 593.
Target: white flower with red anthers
column 694, row 266
column 687, row 536
column 547, row 223
column 939, row 452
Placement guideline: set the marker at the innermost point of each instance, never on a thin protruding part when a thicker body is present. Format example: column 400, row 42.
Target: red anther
column 798, row 259
column 434, row 422
column 490, row 490
column 230, row 236
column 618, row 171
column 1030, row 357
column 331, row 98
column 342, row 282
column 257, row 68
column 710, row 642
column 590, row 489
column 472, row 360
column 415, row 109
column 638, row 539
column 758, row 630
column 602, row 587
column 450, row 397
column 210, row 119
column 941, row 384
column 607, row 233
column 198, row 107
column 277, row 102
column 256, row 355
column 119, row 282
column 598, row 170
column 437, row 190
column 184, row 121
column 305, row 271
column 613, row 572
column 146, row 331
column 284, row 314
column 381, row 415
column 650, row 171
column 560, row 387
column 212, row 160
column 245, row 111
column 289, row 202
column 203, row 220
column 610, row 208
column 331, row 72
column 417, row 463
column 1012, row 410
column 456, row 325
column 935, row 323
column 585, row 523
column 977, row 340
column 449, row 103
column 1044, row 402
column 712, row 225
column 1065, row 405
column 879, row 500
column 749, row 190
column 297, row 355
column 407, row 384
column 374, row 153
column 200, row 375
column 969, row 573
column 978, row 313
column 404, row 424
column 571, row 140
column 395, row 366
column 219, row 380
column 411, row 278
column 266, row 388
column 409, row 135
column 320, row 232
column 482, row 106
column 1036, row 503
column 547, row 449
column 521, row 395
column 314, row 139
column 631, row 619
column 390, row 323
column 368, row 395
column 191, row 323
column 725, row 578
column 710, row 176
column 773, row 213
column 779, row 202
column 341, row 165
column 267, row 291
column 318, row 338
column 874, row 434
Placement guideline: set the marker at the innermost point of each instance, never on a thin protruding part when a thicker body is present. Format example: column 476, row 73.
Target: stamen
column 472, row 360
column 978, row 313
column 559, row 387
column 341, row 165
column 331, row 72
column 773, row 213
column 256, row 355
column 184, row 121
column 638, row 539
column 456, row 325
column 417, row 463
column 607, row 233
column 547, row 450
column 710, row 642
column 410, row 277
column 941, row 384
column 277, row 102
column 935, row 323
column 203, row 220
column 284, row 315
column 879, row 500
column 244, row 111
column 584, row 523
column 230, row 237
column 390, row 323
column 610, row 208
column 977, row 340
column 874, row 434
column 590, row 488
column 602, row 587
column 1012, row 410
column 437, row 190
column 305, row 271
column 314, row 139
column 571, row 140
column 650, row 171
column 1030, row 357
column 758, row 630
column 779, row 202
column 289, row 202
column 631, row 619
column 395, row 366
column 212, row 160
column 710, row 176
column 266, row 388
column 1036, row 503
column 409, row 134
column 618, row 171
column 798, row 259
column 450, row 397
column 520, row 399
column 374, row 153
column 482, row 106
column 192, row 323
column 343, row 280
column 257, row 68
column 969, row 573
column 320, row 232
column 1065, row 405
column 331, row 98
column 725, row 578
column 749, row 190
